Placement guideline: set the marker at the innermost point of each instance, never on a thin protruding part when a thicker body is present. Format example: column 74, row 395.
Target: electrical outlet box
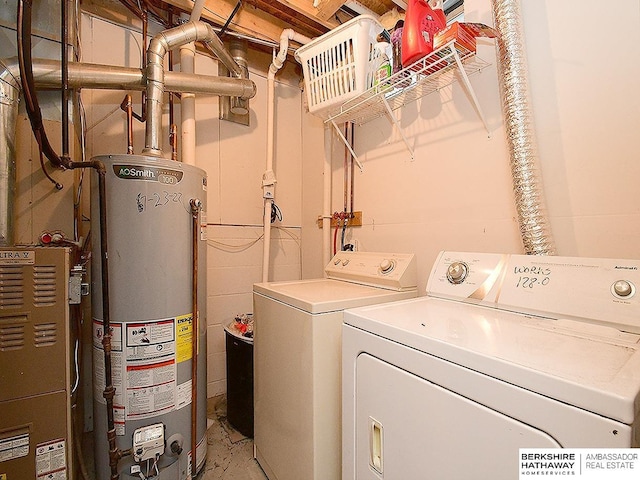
column 355, row 221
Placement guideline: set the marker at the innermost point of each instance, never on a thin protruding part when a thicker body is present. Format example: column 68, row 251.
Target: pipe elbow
column 286, row 35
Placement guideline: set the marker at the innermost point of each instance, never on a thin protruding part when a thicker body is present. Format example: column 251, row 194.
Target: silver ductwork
column 518, row 118
column 158, row 47
column 9, row 97
column 48, row 74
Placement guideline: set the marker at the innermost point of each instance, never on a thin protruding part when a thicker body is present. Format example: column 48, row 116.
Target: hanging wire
column 344, row 229
column 233, row 14
column 276, row 213
column 42, row 165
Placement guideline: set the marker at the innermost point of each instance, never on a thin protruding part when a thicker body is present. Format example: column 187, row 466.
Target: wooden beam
column 328, row 8
column 306, row 8
column 311, row 27
column 249, row 21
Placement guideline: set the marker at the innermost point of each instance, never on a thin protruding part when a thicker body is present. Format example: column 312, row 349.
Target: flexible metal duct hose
column 9, row 96
column 518, row 117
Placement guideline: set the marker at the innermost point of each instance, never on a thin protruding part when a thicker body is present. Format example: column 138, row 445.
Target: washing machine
column 297, row 352
column 504, row 352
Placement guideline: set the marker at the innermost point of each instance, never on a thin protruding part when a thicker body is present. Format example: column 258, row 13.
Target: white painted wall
column 456, row 194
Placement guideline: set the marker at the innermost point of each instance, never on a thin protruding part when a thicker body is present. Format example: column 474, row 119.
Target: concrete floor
column 230, row 454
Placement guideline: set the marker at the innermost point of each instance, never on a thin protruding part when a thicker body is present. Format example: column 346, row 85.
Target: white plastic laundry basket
column 341, row 64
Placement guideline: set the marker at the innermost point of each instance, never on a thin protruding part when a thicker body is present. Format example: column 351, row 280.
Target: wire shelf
column 427, row 75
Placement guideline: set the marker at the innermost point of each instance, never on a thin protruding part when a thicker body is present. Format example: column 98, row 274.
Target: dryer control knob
column 457, row 272
column 622, row 288
column 387, row 265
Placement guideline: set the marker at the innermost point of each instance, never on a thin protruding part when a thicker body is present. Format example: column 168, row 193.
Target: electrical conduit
column 269, row 178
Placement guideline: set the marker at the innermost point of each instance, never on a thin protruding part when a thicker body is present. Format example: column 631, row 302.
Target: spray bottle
column 384, row 69
column 423, row 19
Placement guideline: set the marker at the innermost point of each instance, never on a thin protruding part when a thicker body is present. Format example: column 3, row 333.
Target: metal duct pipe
column 47, row 74
column 518, row 117
column 158, row 47
column 238, row 50
column 9, row 96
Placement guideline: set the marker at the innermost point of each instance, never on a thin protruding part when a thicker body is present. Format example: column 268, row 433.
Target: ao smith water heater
column 156, row 223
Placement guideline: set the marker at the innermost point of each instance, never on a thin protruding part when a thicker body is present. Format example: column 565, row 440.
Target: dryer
column 297, row 352
column 505, row 352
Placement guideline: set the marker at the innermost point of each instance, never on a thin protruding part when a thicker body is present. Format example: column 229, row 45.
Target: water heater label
column 184, row 335
column 150, row 341
column 152, row 174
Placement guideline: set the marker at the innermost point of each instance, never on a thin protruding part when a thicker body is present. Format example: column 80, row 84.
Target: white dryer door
column 408, row 428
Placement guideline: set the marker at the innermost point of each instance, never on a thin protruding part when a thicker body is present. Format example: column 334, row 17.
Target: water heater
column 150, row 238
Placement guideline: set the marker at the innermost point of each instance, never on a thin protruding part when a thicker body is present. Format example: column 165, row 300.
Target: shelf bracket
column 346, row 143
column 469, row 89
column 397, row 125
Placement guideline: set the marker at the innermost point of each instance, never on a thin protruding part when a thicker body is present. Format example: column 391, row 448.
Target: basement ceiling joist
column 258, row 18
column 267, row 18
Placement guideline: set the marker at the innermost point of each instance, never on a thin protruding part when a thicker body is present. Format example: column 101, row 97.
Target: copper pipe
column 143, row 97
column 64, row 38
column 127, row 106
column 353, row 168
column 345, row 168
column 196, row 206
column 173, row 141
column 171, row 114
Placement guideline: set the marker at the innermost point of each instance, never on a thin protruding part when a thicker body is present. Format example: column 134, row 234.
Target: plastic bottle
column 396, row 43
column 423, row 19
column 384, row 70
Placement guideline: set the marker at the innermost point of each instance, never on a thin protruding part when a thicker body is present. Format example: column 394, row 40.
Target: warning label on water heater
column 150, row 340
column 184, row 335
column 151, row 371
column 151, row 389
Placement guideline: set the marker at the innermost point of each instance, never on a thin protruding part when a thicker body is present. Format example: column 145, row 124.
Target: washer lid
column 326, row 295
column 590, row 366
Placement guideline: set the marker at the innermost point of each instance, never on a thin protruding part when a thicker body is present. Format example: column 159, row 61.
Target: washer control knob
column 345, row 262
column 386, row 265
column 336, row 261
column 622, row 288
column 457, row 272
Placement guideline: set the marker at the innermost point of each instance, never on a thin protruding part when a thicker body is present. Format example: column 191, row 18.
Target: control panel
column 598, row 290
column 394, row 271
column 148, row 442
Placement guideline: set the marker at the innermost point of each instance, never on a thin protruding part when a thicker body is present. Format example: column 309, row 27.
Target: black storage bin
column 240, row 382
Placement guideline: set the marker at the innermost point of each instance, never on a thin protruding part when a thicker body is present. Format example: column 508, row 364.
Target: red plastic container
column 423, row 19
